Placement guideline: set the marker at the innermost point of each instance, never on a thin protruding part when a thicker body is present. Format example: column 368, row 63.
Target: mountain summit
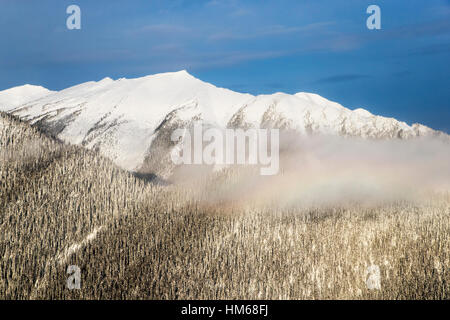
column 124, row 118
column 17, row 96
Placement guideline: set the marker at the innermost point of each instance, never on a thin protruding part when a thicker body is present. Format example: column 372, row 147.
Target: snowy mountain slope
column 17, row 96
column 120, row 117
column 130, row 120
column 309, row 113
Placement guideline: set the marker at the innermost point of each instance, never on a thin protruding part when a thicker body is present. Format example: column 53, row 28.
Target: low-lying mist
column 330, row 171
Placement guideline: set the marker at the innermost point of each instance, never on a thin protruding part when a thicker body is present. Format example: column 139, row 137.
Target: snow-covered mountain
column 17, row 96
column 126, row 119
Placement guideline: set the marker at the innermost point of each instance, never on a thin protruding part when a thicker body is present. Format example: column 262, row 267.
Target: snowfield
column 17, row 96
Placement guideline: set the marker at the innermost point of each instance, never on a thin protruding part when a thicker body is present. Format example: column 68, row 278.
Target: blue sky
column 320, row 46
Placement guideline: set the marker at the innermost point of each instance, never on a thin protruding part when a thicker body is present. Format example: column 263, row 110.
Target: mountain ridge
column 122, row 118
column 14, row 97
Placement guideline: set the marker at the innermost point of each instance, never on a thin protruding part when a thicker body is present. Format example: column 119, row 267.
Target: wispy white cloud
column 241, row 12
column 162, row 28
column 230, row 7
column 273, row 30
